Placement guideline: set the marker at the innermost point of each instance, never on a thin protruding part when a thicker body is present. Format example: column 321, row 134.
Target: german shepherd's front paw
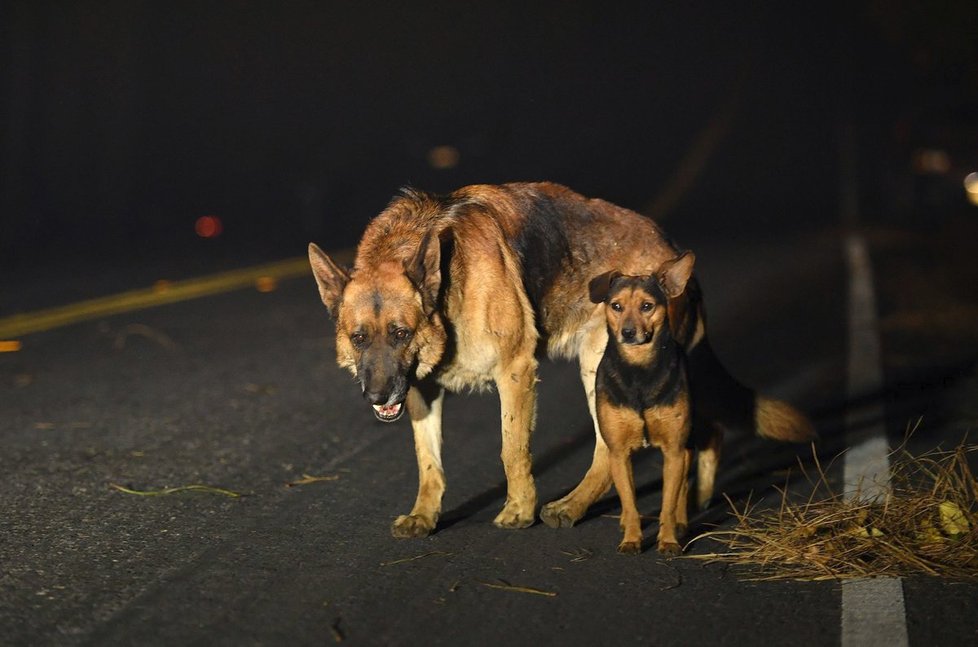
column 408, row 526
column 514, row 516
column 630, row 547
column 556, row 515
column 670, row 549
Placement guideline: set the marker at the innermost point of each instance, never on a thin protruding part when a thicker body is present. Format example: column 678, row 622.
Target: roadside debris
column 926, row 524
column 307, row 479
column 173, row 490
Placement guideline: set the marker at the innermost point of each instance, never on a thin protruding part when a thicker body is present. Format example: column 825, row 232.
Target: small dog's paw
column 408, row 526
column 670, row 549
column 513, row 516
column 556, row 515
column 630, row 547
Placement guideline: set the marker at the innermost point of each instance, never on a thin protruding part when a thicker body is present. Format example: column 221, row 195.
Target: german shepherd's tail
column 719, row 398
column 779, row 420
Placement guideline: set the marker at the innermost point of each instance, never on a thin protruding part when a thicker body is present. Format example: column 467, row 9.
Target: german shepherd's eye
column 616, row 306
column 358, row 339
column 401, row 334
column 647, row 307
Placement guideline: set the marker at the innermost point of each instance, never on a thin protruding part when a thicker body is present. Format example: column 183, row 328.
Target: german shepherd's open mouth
column 388, row 412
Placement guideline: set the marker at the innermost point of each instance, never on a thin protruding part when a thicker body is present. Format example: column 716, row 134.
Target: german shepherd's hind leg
column 517, row 398
column 707, row 461
column 424, row 407
column 682, row 503
column 566, row 511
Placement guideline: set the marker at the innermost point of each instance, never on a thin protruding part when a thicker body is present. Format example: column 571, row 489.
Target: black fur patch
column 542, row 247
column 661, row 382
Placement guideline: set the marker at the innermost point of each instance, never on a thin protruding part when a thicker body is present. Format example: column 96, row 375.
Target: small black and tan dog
column 642, row 395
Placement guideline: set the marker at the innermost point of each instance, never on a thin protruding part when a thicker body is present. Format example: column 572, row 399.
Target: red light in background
column 208, row 227
column 266, row 284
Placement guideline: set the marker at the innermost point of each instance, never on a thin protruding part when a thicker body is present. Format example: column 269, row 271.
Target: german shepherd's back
column 459, row 291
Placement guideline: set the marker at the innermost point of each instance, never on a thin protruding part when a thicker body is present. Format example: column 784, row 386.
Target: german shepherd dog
column 458, row 292
column 643, row 395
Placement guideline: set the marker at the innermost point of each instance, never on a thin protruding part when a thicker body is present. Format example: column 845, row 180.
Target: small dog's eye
column 358, row 339
column 647, row 307
column 616, row 306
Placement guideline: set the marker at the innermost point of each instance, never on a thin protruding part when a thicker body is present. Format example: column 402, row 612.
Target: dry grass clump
column 926, row 523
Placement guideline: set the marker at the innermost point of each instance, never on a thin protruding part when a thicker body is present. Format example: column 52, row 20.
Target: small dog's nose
column 628, row 334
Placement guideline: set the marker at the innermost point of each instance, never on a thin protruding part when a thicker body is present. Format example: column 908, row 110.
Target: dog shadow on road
column 751, row 466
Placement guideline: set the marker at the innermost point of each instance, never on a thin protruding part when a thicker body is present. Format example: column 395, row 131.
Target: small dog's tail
column 779, row 420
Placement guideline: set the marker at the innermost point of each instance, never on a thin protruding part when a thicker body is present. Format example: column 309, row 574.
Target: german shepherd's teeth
column 388, row 412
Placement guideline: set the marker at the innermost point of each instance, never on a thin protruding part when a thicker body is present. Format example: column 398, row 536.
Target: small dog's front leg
column 631, row 525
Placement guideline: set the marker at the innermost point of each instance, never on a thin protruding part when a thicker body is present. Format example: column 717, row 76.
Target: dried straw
column 926, row 523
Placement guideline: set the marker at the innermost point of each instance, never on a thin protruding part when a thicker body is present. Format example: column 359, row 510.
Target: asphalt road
column 724, row 121
column 240, row 391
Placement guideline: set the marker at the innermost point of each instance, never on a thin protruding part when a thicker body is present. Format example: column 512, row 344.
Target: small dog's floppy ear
column 330, row 277
column 675, row 274
column 600, row 286
column 424, row 270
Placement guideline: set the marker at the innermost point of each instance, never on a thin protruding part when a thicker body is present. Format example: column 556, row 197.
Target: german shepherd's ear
column 675, row 274
column 424, row 270
column 600, row 286
column 330, row 277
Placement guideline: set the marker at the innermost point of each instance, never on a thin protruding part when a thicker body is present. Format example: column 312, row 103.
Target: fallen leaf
column 953, row 521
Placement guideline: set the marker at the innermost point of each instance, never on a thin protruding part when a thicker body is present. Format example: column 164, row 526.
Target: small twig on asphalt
column 578, row 555
column 143, row 330
column 506, row 586
column 307, row 479
column 643, row 517
column 434, row 553
column 335, row 630
column 173, row 490
column 679, row 578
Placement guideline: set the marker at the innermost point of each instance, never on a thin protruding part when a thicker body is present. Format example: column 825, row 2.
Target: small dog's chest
column 640, row 388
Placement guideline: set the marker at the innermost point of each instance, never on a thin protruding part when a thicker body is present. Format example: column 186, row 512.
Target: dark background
column 124, row 121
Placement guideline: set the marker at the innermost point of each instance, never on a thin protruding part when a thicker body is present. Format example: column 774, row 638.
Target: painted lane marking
column 161, row 294
column 873, row 610
column 867, row 464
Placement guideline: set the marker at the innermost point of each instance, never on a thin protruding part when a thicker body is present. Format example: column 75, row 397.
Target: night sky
column 125, row 121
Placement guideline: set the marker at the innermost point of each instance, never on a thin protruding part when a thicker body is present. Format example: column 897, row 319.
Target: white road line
column 873, row 613
column 873, row 610
column 867, row 465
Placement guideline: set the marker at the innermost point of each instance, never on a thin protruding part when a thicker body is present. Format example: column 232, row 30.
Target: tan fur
column 665, row 421
column 779, row 420
column 472, row 323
